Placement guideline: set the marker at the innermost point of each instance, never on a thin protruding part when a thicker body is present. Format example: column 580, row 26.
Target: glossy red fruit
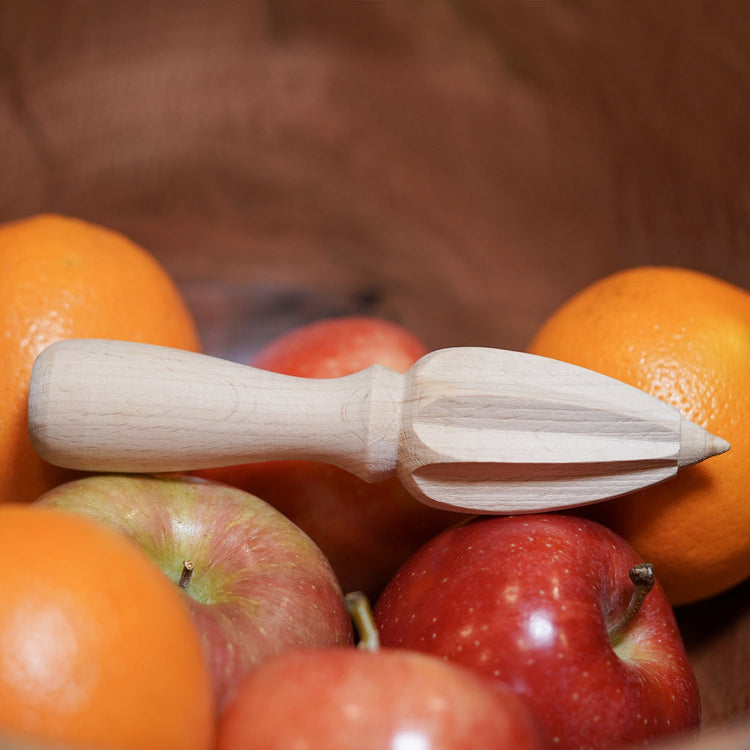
column 340, row 699
column 538, row 603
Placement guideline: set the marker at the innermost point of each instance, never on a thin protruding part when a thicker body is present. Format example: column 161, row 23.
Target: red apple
column 373, row 699
column 341, row 346
column 257, row 584
column 365, row 530
column 539, row 603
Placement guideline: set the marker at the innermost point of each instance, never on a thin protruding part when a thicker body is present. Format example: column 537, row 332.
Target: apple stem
column 642, row 576
column 358, row 606
column 186, row 575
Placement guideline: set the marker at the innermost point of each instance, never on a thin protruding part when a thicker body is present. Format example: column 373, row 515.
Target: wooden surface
column 466, row 428
column 460, row 166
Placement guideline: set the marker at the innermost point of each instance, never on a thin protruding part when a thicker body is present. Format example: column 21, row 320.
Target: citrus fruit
column 65, row 278
column 684, row 337
column 97, row 646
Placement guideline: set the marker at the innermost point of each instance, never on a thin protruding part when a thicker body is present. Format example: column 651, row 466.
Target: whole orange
column 65, row 278
column 97, row 646
column 684, row 337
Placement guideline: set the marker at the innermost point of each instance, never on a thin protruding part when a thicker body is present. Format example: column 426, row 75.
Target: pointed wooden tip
column 698, row 444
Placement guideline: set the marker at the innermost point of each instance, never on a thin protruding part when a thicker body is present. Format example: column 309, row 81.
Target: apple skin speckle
column 493, row 597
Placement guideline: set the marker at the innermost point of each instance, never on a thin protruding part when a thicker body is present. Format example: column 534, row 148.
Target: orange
column 97, row 645
column 684, row 337
column 65, row 278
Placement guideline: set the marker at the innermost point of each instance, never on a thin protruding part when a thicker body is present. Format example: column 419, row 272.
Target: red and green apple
column 256, row 584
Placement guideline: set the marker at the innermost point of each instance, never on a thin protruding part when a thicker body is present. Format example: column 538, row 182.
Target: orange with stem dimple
column 65, row 278
column 684, row 337
column 97, row 646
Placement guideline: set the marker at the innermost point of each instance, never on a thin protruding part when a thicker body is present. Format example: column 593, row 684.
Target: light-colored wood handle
column 478, row 429
column 119, row 406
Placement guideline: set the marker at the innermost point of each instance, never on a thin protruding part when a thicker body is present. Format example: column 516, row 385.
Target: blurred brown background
column 459, row 166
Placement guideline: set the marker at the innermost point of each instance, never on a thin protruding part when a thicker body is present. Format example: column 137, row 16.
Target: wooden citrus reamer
column 479, row 429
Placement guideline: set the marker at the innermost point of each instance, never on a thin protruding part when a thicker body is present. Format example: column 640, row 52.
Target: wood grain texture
column 460, row 166
column 466, row 428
